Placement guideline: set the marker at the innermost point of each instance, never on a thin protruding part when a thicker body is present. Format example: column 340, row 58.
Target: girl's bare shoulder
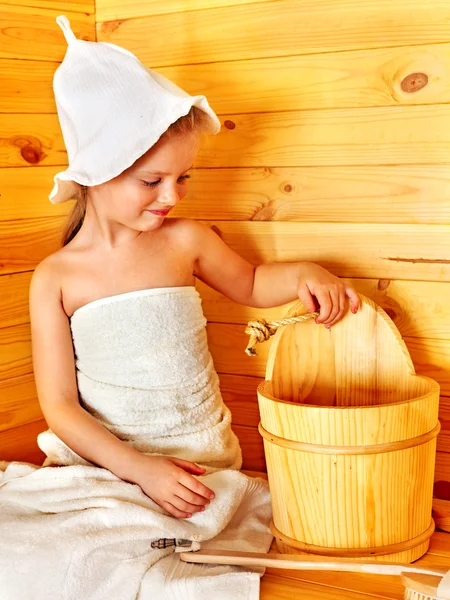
column 46, row 281
column 187, row 231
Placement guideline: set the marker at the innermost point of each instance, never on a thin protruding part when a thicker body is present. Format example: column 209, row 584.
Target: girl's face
column 144, row 194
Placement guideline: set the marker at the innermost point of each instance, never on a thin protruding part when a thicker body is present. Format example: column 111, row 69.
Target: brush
column 420, row 583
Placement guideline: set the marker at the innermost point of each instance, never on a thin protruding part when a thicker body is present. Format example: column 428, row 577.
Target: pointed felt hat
column 111, row 109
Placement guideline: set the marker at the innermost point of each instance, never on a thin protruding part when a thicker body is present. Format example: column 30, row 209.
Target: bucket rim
column 435, row 387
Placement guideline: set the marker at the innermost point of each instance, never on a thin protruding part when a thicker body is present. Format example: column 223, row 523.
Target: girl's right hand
column 168, row 481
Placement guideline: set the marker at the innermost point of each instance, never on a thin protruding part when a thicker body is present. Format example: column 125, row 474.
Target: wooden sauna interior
column 335, row 148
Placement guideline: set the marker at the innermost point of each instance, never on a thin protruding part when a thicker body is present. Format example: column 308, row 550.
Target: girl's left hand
column 331, row 293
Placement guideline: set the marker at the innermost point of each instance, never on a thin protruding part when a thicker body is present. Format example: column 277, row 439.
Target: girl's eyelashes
column 151, row 183
column 155, row 183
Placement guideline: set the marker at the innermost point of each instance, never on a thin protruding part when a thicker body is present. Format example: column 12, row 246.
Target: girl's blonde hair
column 194, row 121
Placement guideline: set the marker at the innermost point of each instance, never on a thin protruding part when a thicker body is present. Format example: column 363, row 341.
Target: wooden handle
column 300, row 563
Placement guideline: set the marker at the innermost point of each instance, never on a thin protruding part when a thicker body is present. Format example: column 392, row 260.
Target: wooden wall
column 31, row 152
column 334, row 148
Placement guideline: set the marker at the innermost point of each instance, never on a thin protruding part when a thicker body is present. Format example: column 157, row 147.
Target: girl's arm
column 55, row 377
column 168, row 481
column 268, row 285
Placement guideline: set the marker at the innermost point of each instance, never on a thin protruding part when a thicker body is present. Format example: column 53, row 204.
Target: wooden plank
column 29, row 139
column 372, row 194
column 367, row 194
column 358, row 136
column 108, row 10
column 385, row 587
column 23, row 244
column 15, row 351
column 19, row 404
column 20, row 443
column 415, row 252
column 443, row 441
column 442, row 488
column 439, row 545
column 24, row 193
column 279, row 587
column 441, row 515
column 14, row 289
column 418, row 309
column 239, row 394
column 82, row 6
column 32, row 32
column 374, row 77
column 442, row 472
column 411, row 252
column 227, row 344
column 27, row 86
column 252, row 448
column 270, row 29
column 355, row 136
column 441, row 502
column 365, row 78
column 432, row 358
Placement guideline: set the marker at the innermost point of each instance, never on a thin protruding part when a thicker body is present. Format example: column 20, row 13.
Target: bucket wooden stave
column 347, row 479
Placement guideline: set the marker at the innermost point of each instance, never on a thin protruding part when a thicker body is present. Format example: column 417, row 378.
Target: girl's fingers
column 196, row 486
column 336, row 309
column 189, row 496
column 343, row 307
column 183, row 506
column 188, row 466
column 306, row 297
column 174, row 511
column 333, row 304
column 355, row 301
column 325, row 303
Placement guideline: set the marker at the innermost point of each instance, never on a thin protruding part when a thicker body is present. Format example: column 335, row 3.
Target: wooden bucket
column 350, row 439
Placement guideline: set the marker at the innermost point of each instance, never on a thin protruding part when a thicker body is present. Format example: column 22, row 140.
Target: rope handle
column 260, row 330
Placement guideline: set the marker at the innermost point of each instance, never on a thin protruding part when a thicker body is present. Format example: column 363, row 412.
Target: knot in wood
column 414, row 82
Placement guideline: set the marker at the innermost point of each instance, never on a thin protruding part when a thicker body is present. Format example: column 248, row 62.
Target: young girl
column 122, row 369
column 124, row 242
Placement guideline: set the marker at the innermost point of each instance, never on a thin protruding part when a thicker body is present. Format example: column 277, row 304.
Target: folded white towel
column 81, row 533
column 145, row 372
column 78, row 532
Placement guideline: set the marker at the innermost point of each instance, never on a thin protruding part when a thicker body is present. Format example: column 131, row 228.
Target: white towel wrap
column 145, row 372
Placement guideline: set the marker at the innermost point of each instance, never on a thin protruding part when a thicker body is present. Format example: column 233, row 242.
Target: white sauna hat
column 111, row 109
